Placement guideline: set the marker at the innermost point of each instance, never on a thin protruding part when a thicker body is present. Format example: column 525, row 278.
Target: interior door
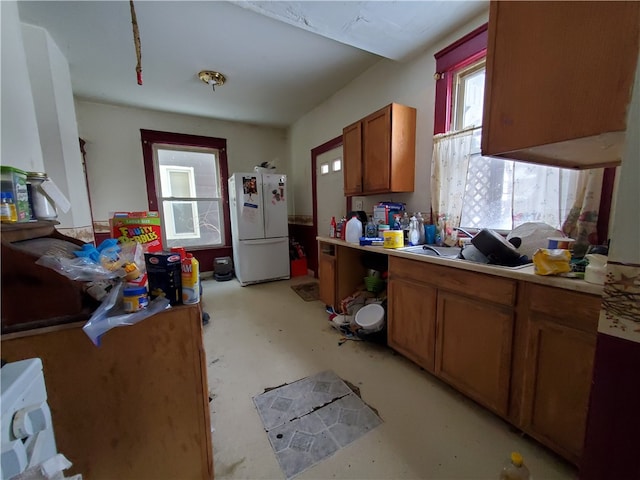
column 329, row 188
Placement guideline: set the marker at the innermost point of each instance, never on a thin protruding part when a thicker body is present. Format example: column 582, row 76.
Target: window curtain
column 581, row 222
column 563, row 198
column 450, row 162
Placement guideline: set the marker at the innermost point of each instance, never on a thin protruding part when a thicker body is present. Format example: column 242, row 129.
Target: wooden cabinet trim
column 471, row 284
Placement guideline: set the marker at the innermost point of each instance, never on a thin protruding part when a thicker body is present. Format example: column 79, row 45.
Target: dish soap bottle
column 414, row 235
column 372, row 229
column 420, row 228
column 515, row 469
column 332, row 227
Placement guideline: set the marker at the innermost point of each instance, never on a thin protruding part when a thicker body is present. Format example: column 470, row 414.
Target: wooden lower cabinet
column 327, row 277
column 412, row 325
column 473, row 348
column 523, row 350
column 558, row 368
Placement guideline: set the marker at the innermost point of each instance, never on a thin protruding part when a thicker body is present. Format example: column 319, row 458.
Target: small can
column 135, row 299
column 393, row 239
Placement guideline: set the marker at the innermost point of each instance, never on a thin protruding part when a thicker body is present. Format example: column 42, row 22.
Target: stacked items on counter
column 29, row 196
column 130, row 274
column 390, row 225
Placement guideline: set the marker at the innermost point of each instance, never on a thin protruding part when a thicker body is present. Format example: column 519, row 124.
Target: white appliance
column 259, row 226
column 27, row 431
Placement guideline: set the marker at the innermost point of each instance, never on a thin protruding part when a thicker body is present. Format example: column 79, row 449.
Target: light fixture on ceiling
column 212, row 78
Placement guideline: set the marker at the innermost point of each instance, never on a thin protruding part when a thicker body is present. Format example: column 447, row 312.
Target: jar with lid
column 43, row 207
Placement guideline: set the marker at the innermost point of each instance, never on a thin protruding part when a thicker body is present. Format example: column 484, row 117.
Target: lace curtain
column 469, row 190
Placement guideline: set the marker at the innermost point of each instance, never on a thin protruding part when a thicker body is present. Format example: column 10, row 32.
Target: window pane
column 337, row 165
column 184, row 232
column 183, row 218
column 469, row 96
column 205, row 170
column 179, row 184
column 324, row 168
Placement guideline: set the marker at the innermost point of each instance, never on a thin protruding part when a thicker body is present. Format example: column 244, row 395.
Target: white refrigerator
column 259, row 226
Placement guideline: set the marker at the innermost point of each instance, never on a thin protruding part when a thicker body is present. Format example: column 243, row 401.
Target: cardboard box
column 141, row 227
column 14, row 181
column 164, row 274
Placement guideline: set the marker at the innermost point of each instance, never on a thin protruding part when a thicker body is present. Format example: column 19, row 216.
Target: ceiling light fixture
column 212, row 78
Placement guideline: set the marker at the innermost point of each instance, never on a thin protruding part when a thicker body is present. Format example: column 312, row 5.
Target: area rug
column 307, row 291
column 311, row 419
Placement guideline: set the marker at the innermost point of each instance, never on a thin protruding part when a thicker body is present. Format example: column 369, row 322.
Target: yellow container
column 393, row 239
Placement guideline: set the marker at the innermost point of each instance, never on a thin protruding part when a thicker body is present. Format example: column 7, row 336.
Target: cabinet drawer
column 577, row 310
column 471, row 284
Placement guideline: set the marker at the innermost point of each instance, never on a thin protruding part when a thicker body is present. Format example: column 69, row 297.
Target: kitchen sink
column 432, row 251
column 451, row 253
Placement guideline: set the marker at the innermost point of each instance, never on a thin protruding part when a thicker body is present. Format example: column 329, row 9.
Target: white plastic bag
column 111, row 314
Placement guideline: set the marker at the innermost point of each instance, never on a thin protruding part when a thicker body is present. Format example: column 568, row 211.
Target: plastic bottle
column 332, row 227
column 190, row 280
column 9, row 213
column 372, row 228
column 421, row 233
column 414, row 235
column 353, row 230
column 515, row 469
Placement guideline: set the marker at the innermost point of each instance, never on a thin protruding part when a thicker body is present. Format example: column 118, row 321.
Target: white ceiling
column 281, row 59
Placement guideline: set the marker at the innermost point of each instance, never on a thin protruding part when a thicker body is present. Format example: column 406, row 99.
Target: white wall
column 114, row 152
column 410, row 83
column 20, row 139
column 57, row 127
column 625, row 244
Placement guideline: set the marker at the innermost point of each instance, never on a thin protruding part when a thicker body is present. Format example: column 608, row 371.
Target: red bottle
column 332, row 227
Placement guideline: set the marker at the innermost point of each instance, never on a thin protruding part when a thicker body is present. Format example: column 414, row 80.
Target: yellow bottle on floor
column 515, row 469
column 190, row 280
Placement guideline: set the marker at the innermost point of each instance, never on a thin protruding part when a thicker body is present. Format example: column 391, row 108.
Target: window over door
column 186, row 178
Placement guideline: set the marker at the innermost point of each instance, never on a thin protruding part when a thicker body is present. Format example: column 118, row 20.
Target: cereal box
column 141, row 227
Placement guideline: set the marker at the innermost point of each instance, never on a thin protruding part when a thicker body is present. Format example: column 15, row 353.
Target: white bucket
column 370, row 317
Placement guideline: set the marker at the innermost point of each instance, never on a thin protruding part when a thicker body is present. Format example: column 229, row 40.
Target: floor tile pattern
column 310, row 419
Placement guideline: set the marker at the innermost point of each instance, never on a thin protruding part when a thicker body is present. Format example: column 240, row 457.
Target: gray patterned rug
column 311, row 419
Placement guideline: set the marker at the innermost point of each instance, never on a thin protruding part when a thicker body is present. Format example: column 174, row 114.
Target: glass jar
column 43, row 208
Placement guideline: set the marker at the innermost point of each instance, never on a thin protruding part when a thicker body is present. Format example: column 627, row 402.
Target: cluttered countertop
column 524, row 273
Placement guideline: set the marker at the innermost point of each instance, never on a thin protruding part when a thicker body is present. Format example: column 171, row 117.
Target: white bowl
column 370, row 317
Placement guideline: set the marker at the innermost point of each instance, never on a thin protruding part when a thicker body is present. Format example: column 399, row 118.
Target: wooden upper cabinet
column 559, row 78
column 380, row 152
column 352, row 152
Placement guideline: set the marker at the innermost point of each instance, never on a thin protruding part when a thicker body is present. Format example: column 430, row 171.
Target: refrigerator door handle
column 263, row 241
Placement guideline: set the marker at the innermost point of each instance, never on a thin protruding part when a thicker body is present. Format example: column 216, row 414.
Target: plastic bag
column 111, row 314
column 81, row 268
column 551, row 261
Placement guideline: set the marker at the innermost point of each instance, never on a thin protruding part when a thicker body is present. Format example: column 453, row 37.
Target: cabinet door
column 559, row 72
column 327, row 278
column 376, row 168
column 473, row 348
column 352, row 151
column 557, row 384
column 411, row 321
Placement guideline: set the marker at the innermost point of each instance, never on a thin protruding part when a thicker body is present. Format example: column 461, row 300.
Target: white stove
column 26, row 427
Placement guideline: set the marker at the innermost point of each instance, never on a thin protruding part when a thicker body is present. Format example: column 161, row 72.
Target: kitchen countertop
column 525, row 273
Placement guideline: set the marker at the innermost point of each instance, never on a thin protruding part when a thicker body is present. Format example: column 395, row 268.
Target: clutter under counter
column 520, row 344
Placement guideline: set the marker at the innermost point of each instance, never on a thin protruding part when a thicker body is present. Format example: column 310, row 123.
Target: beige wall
column 410, row 83
column 114, row 153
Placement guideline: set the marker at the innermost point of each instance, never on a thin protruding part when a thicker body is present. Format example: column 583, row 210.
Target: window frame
column 149, row 138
